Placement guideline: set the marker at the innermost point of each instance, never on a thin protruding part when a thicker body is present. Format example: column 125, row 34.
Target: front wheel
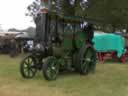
column 28, row 67
column 50, row 68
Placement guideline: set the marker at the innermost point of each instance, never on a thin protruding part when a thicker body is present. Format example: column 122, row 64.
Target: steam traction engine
column 60, row 44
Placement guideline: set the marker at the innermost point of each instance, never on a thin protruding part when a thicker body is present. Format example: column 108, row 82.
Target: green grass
column 110, row 79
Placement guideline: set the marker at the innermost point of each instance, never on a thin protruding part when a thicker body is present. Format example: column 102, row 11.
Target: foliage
column 108, row 11
column 33, row 8
column 111, row 11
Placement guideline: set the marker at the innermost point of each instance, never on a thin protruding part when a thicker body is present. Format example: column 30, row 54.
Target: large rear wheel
column 86, row 59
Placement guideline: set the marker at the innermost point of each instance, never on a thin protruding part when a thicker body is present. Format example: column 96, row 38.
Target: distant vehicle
column 105, row 43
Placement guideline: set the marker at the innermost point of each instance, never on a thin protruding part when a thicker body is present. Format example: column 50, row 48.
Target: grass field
column 110, row 79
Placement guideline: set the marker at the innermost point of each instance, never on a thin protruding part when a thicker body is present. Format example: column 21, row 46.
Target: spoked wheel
column 86, row 59
column 28, row 67
column 50, row 68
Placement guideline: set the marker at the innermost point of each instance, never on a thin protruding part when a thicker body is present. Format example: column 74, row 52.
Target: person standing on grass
column 13, row 48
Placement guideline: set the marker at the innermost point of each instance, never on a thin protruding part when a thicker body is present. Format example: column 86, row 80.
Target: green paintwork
column 80, row 39
column 67, row 43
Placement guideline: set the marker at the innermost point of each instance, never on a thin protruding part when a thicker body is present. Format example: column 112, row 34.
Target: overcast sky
column 12, row 14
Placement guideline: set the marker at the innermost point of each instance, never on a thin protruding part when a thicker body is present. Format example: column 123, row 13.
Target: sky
column 12, row 14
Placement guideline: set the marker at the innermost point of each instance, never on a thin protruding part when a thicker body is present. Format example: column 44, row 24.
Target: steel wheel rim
column 87, row 59
column 29, row 67
column 52, row 70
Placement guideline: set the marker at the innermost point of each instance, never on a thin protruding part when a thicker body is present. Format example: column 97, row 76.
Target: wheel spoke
column 85, row 65
column 31, row 62
column 89, row 53
column 29, row 73
column 87, row 59
column 32, row 72
column 26, row 62
column 33, row 69
column 88, row 56
column 49, row 72
column 52, row 71
column 25, row 65
column 26, row 70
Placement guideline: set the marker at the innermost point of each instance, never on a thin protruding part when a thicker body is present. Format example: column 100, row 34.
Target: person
column 89, row 32
column 13, row 48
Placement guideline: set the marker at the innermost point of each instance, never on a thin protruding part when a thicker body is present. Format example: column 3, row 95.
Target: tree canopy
column 109, row 11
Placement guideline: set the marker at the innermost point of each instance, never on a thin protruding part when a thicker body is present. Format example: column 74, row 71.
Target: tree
column 110, row 11
column 107, row 11
column 33, row 9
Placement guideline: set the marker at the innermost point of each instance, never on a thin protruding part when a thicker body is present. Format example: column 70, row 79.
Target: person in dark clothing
column 12, row 48
column 89, row 31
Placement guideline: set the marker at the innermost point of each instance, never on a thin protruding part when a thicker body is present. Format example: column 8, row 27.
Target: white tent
column 22, row 35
